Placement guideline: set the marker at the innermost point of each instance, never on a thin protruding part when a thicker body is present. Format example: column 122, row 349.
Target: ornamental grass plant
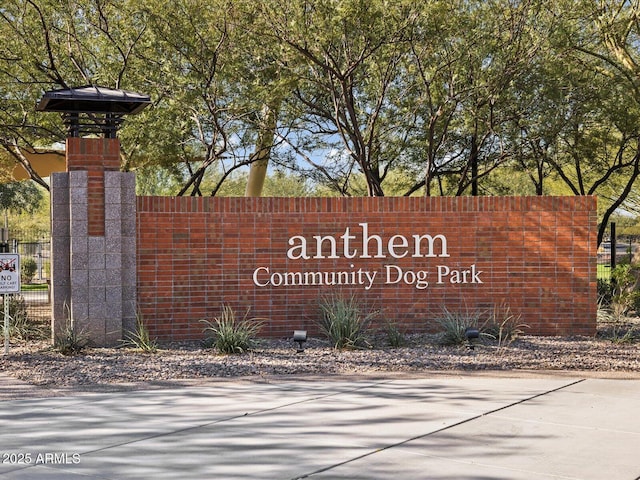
column 396, row 338
column 21, row 325
column 504, row 325
column 344, row 322
column 70, row 340
column 140, row 338
column 455, row 323
column 230, row 334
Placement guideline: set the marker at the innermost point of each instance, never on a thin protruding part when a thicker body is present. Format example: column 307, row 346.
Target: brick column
column 94, row 242
column 95, row 156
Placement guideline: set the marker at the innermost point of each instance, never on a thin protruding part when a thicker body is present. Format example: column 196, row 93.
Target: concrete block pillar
column 93, row 233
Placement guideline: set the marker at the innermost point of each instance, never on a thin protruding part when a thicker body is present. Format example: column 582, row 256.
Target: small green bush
column 28, row 268
column 140, row 338
column 395, row 336
column 605, row 292
column 623, row 281
column 504, row 326
column 231, row 335
column 21, row 325
column 343, row 321
column 70, row 340
column 617, row 325
column 455, row 323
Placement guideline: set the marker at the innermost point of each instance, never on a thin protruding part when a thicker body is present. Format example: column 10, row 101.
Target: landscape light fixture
column 91, row 109
column 299, row 337
column 470, row 334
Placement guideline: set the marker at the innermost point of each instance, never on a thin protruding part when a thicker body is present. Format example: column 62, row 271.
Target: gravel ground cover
column 38, row 364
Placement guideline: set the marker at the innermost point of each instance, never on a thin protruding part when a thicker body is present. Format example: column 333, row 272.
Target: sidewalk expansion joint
column 234, row 417
column 440, row 430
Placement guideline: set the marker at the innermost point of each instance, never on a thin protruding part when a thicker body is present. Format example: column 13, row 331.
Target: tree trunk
column 474, row 163
column 622, row 197
column 262, row 152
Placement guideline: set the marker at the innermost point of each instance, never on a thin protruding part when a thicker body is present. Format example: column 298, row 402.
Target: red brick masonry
column 407, row 257
column 95, row 155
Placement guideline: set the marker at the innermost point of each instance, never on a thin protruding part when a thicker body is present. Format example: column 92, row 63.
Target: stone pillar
column 93, row 234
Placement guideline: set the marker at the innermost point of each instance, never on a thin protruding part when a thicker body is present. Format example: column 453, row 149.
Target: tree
column 600, row 146
column 464, row 58
column 345, row 56
column 47, row 45
column 20, row 197
column 362, row 98
column 217, row 84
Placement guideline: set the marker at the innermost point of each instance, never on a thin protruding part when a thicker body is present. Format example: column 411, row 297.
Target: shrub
column 454, row 325
column 504, row 325
column 28, row 267
column 618, row 326
column 623, row 281
column 231, row 335
column 395, row 337
column 70, row 340
column 343, row 321
column 605, row 292
column 21, row 326
column 140, row 338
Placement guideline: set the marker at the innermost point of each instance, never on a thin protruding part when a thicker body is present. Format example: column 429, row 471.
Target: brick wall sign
column 408, row 258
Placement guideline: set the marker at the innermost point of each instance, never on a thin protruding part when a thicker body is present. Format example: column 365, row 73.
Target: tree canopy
column 376, row 97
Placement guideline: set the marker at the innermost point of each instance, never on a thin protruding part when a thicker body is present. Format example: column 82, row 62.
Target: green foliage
column 372, row 97
column 231, row 335
column 617, row 298
column 28, row 268
column 624, row 280
column 33, row 226
column 140, row 338
column 395, row 337
column 20, row 197
column 344, row 322
column 614, row 323
column 630, row 335
column 70, row 340
column 503, row 325
column 497, row 324
column 605, row 291
column 454, row 324
column 158, row 180
column 21, row 325
column 277, row 184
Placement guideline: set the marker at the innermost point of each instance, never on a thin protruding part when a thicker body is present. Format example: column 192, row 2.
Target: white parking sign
column 9, row 273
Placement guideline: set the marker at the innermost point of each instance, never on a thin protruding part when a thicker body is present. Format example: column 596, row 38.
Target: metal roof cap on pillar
column 92, row 99
column 92, row 109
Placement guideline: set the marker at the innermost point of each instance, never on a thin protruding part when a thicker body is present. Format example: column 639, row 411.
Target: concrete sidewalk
column 440, row 427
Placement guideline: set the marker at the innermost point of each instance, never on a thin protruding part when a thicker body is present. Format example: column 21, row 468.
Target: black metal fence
column 616, row 250
column 34, row 247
